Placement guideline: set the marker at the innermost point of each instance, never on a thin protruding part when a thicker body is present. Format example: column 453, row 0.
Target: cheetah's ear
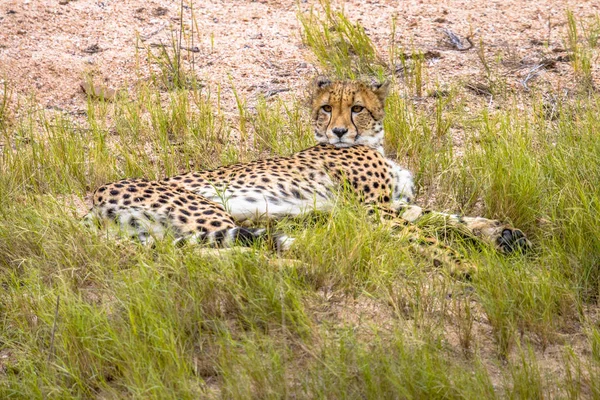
column 381, row 89
column 321, row 81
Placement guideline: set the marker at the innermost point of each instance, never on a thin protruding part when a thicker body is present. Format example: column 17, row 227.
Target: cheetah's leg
column 226, row 238
column 425, row 245
column 502, row 236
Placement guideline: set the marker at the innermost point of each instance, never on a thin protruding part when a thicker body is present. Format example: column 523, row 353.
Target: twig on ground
column 149, row 35
column 273, row 92
column 479, row 88
column 532, row 73
column 193, row 49
column 455, row 42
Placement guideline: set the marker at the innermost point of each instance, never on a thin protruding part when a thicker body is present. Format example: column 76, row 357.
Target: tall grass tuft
column 339, row 45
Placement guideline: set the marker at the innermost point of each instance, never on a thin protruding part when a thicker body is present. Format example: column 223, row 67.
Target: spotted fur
column 206, row 206
column 147, row 210
column 305, row 181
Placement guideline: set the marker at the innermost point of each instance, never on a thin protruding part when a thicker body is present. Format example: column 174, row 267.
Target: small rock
column 92, row 49
column 565, row 58
column 160, row 11
column 438, row 93
column 537, row 42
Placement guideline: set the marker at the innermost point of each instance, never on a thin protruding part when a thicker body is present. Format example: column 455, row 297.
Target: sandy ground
column 48, row 46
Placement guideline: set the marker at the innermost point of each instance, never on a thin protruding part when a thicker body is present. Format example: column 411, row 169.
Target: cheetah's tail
column 239, row 236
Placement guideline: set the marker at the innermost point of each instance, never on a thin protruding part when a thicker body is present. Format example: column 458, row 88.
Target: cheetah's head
column 345, row 113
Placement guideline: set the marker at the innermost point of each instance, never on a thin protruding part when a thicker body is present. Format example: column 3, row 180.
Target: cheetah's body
column 205, row 206
column 308, row 180
column 138, row 203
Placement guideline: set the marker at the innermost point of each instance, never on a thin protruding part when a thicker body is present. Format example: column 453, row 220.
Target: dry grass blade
column 53, row 333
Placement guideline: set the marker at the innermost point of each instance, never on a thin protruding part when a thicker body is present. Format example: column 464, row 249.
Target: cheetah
column 149, row 210
column 347, row 118
column 207, row 206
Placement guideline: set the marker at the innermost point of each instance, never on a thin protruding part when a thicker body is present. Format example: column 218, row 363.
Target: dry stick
column 51, row 349
column 478, row 89
column 456, row 42
column 531, row 74
column 193, row 49
column 149, row 35
column 275, row 91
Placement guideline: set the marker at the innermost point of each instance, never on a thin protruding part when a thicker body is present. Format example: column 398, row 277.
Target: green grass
column 353, row 311
column 580, row 52
column 341, row 46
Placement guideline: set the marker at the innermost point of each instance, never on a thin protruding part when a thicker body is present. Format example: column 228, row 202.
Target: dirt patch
column 48, row 46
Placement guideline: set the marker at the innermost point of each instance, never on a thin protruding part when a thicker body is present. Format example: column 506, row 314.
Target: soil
column 47, row 47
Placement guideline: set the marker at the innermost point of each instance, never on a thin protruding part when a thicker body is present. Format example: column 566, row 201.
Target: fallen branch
column 149, row 35
column 273, row 92
column 533, row 72
column 455, row 42
column 479, row 88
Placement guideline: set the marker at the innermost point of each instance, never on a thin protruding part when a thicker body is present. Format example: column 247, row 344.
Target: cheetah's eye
column 326, row 108
column 357, row 109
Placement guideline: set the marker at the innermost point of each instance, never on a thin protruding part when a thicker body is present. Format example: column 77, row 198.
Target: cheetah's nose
column 339, row 132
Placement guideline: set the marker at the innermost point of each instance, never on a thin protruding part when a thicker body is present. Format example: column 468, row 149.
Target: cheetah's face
column 348, row 113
